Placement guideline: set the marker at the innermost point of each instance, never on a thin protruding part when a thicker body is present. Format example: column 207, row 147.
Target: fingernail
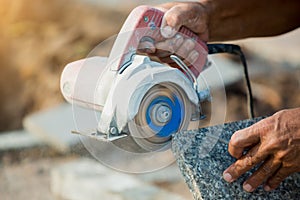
column 149, row 50
column 178, row 36
column 227, row 177
column 194, row 56
column 179, row 40
column 267, row 188
column 168, row 31
column 247, row 187
column 147, row 47
column 189, row 44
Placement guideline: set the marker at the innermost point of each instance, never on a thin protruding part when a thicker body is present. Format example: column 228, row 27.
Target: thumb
column 191, row 15
column 171, row 23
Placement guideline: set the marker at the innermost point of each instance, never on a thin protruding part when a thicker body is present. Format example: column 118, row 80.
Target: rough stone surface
column 202, row 164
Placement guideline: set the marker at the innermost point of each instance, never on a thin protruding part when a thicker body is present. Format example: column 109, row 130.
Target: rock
column 53, row 126
column 202, row 157
column 17, row 140
column 169, row 174
column 148, row 193
column 86, row 179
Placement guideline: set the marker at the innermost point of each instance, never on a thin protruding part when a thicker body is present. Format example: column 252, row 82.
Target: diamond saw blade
column 164, row 110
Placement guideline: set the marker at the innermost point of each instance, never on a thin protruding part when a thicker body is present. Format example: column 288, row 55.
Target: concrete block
column 148, row 193
column 53, row 126
column 86, row 179
column 202, row 164
column 16, row 140
column 169, row 174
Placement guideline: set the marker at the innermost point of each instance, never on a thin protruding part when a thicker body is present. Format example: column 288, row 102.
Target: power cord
column 236, row 50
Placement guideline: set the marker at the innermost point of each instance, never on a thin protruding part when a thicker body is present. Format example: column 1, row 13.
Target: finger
column 189, row 60
column 268, row 168
column 162, row 53
column 173, row 19
column 274, row 181
column 167, row 60
column 174, row 65
column 248, row 137
column 242, row 139
column 169, row 46
column 192, row 57
column 146, row 45
column 253, row 157
column 186, row 48
column 171, row 62
column 154, row 58
column 191, row 15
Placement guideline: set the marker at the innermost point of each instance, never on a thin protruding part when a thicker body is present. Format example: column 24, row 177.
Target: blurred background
column 39, row 37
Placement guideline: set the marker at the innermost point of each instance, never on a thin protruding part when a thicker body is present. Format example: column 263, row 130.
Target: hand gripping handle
column 145, row 21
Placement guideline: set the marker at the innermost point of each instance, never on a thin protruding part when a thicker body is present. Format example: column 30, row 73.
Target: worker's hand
column 192, row 15
column 189, row 14
column 274, row 143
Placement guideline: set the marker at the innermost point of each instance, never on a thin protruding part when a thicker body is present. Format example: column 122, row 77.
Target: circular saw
column 141, row 102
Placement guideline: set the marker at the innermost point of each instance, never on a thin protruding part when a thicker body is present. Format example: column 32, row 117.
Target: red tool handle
column 145, row 21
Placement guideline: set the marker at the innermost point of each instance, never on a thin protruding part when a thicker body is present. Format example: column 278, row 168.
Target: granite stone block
column 202, row 157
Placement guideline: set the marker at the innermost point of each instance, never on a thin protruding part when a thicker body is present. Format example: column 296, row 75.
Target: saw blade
column 164, row 110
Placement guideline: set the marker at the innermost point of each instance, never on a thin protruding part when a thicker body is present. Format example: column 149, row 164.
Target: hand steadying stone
column 274, row 142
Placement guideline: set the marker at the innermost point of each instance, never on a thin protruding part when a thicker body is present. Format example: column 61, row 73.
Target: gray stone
column 54, row 127
column 202, row 157
column 148, row 193
column 16, row 140
column 86, row 179
column 169, row 174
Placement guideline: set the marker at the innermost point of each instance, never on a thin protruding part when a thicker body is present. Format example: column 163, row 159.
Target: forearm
column 234, row 19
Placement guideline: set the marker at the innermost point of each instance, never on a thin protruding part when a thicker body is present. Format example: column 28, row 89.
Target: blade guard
column 131, row 86
column 79, row 80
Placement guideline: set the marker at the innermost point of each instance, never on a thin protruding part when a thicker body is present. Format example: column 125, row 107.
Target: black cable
column 236, row 50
